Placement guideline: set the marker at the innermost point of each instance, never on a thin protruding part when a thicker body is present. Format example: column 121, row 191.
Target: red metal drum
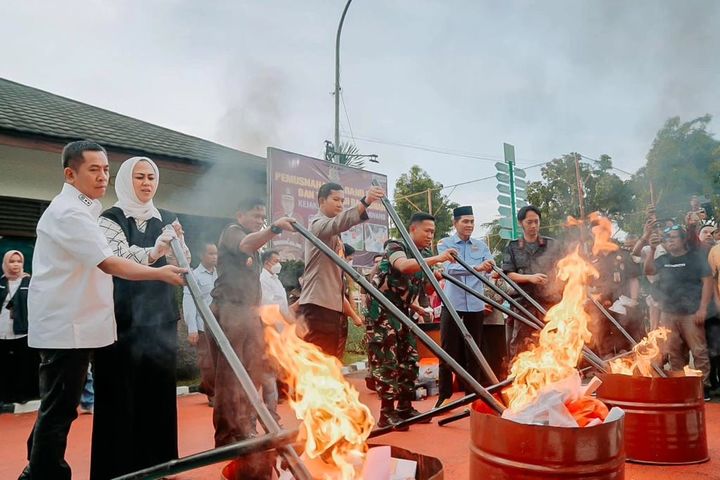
column 504, row 450
column 664, row 417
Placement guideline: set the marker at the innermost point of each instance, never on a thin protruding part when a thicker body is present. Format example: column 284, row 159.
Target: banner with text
column 293, row 184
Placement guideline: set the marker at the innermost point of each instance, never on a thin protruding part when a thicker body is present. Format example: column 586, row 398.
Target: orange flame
column 691, row 372
column 561, row 340
column 602, row 234
column 334, row 422
column 645, row 353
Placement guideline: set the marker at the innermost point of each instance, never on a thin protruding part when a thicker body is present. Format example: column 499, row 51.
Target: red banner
column 293, row 183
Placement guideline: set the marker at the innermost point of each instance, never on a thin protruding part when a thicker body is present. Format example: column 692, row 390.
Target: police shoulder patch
column 85, row 200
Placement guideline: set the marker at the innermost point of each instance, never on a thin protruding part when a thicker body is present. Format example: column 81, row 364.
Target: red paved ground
column 449, row 443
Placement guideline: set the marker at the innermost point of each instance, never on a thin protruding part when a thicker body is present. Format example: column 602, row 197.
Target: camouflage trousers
column 393, row 357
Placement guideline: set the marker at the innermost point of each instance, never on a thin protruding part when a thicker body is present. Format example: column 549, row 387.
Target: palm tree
column 347, row 154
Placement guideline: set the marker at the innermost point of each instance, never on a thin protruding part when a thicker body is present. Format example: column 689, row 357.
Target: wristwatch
column 364, row 202
column 275, row 229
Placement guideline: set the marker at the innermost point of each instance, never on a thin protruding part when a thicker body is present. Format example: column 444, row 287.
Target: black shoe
column 25, row 475
column 441, row 402
column 410, row 413
column 708, row 396
column 390, row 419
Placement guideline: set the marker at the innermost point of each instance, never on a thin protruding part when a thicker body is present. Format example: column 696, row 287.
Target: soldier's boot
column 390, row 418
column 405, row 411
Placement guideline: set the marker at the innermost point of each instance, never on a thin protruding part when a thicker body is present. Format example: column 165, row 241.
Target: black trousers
column 62, row 377
column 453, row 343
column 135, row 416
column 18, row 371
column 327, row 329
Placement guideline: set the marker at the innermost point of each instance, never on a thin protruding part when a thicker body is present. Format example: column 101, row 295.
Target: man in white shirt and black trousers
column 205, row 274
column 70, row 301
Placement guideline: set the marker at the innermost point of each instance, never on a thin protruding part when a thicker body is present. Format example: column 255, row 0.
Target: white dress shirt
column 206, row 281
column 273, row 292
column 70, row 300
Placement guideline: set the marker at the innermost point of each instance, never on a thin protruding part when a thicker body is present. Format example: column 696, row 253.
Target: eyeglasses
column 673, row 228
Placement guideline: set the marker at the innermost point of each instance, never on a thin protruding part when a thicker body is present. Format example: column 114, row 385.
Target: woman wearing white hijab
column 135, row 418
column 18, row 362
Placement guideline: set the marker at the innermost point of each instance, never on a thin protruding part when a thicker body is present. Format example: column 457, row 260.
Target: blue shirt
column 473, row 252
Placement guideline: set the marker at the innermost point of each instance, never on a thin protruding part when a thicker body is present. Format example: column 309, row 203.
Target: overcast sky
column 548, row 76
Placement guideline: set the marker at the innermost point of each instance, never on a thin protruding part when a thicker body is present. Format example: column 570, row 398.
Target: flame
column 561, row 340
column 691, row 372
column 334, row 422
column 645, row 353
column 602, row 234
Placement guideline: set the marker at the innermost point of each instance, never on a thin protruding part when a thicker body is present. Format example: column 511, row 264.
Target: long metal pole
column 469, row 340
column 516, row 304
column 216, row 455
column 402, row 317
column 518, row 289
column 266, row 420
column 622, row 330
column 588, row 354
column 437, row 411
column 499, row 291
column 337, row 82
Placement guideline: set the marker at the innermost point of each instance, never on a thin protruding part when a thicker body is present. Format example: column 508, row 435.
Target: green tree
column 411, row 196
column 684, row 160
column 556, row 195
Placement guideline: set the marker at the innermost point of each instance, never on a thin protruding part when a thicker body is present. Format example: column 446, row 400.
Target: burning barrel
column 502, row 450
column 665, row 417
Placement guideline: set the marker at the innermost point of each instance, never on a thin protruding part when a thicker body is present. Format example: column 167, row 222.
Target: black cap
column 348, row 249
column 460, row 211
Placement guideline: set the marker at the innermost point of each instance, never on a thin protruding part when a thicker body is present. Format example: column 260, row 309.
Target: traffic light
column 511, row 185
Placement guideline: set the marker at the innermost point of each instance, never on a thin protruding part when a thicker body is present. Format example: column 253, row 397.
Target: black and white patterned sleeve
column 119, row 244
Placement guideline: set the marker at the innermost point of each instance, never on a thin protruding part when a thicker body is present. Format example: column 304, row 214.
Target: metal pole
column 622, row 330
column 469, row 340
column 266, row 420
column 397, row 313
column 517, row 288
column 216, row 455
column 437, row 411
column 581, row 201
column 588, row 354
column 337, row 82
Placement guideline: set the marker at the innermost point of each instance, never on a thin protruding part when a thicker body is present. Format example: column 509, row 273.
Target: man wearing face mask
column 273, row 292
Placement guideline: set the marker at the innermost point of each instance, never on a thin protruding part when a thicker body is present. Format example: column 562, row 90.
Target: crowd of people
column 103, row 293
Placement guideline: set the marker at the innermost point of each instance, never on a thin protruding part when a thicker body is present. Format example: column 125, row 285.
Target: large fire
column 335, row 424
column 561, row 341
column 602, row 234
column 644, row 354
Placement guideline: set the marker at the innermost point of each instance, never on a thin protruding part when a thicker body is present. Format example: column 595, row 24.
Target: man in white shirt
column 205, row 274
column 273, row 292
column 70, row 301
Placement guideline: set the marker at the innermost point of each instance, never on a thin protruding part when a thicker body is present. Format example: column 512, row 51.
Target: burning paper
column 335, row 424
column 644, row 354
column 561, row 340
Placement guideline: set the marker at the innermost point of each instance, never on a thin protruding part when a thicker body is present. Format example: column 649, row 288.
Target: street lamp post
column 337, row 80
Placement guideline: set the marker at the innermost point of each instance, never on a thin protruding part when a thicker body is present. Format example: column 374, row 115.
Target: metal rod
column 622, row 330
column 499, row 291
column 438, row 411
column 588, row 354
column 518, row 289
column 597, row 362
column 299, row 470
column 216, row 455
column 397, row 313
column 469, row 340
column 454, row 418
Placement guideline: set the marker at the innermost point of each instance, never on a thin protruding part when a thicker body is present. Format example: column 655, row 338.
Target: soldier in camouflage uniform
column 392, row 351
